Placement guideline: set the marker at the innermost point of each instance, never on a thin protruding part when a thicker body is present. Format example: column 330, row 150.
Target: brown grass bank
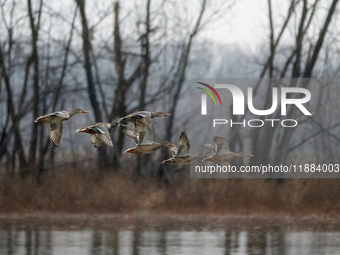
column 81, row 191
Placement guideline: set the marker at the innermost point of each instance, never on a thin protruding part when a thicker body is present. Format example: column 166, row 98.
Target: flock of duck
column 141, row 133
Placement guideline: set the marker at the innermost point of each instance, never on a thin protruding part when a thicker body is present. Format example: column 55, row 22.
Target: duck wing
column 61, row 114
column 222, row 145
column 95, row 140
column 145, row 136
column 102, row 134
column 139, row 123
column 56, row 131
column 131, row 116
column 183, row 145
column 135, row 115
column 133, row 135
column 53, row 117
column 173, row 151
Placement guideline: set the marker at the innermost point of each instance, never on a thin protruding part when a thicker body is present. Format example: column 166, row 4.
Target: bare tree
column 45, row 143
column 35, row 26
column 272, row 136
column 308, row 72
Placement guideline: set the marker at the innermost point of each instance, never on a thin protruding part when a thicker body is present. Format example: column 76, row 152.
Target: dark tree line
column 148, row 55
column 116, row 59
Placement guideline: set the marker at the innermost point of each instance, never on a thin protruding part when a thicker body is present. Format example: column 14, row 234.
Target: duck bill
column 249, row 155
column 84, row 111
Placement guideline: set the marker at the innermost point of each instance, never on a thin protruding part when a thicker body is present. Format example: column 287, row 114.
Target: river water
column 100, row 237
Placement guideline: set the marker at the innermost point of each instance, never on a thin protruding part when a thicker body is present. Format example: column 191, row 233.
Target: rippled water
column 96, row 239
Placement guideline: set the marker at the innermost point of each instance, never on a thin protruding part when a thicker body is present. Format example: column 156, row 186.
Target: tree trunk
column 145, row 47
column 102, row 157
column 35, row 58
column 181, row 72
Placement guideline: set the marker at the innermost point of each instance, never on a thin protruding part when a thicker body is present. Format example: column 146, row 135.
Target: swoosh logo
column 208, row 94
column 213, row 90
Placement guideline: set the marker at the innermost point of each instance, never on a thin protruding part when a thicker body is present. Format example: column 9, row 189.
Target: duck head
column 168, row 144
column 161, row 114
column 77, row 111
column 244, row 154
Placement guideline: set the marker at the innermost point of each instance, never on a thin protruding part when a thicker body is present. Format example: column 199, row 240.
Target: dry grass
column 78, row 190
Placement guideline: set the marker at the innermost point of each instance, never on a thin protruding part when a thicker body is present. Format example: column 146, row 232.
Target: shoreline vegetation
column 146, row 219
column 78, row 191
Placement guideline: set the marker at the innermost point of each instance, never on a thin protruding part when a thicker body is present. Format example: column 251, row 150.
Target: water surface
column 92, row 237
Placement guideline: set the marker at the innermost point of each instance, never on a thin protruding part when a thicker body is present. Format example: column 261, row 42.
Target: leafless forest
column 114, row 58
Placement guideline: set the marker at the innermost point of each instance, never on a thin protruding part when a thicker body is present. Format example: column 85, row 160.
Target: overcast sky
column 247, row 24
